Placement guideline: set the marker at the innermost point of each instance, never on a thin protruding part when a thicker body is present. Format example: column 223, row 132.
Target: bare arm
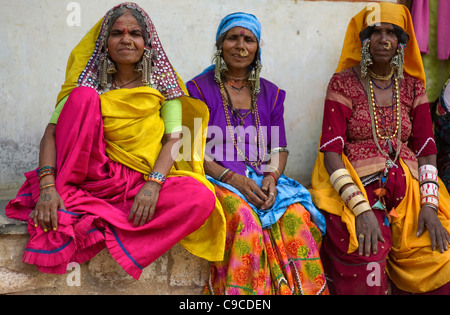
column 145, row 201
column 428, row 217
column 49, row 201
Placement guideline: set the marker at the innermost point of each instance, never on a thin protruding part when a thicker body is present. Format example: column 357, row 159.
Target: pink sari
column 98, row 194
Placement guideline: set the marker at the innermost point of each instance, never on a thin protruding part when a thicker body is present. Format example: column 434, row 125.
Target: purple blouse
column 220, row 145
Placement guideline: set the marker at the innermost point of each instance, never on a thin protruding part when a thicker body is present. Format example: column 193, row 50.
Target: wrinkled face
column 383, row 43
column 239, row 48
column 126, row 42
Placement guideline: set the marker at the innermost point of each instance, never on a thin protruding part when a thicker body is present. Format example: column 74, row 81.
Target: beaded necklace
column 374, row 120
column 396, row 109
column 254, row 111
column 236, row 89
column 381, row 204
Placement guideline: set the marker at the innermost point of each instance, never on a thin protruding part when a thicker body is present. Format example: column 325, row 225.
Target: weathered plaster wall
column 301, row 42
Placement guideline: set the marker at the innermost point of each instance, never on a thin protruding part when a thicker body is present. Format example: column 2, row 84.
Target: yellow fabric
column 133, row 127
column 411, row 265
column 129, row 117
column 383, row 12
column 326, row 198
column 208, row 242
column 78, row 60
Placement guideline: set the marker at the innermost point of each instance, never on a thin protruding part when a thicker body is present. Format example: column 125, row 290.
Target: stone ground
column 175, row 273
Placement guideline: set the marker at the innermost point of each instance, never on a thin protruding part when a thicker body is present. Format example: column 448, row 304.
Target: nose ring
column 243, row 53
column 387, row 46
column 130, row 45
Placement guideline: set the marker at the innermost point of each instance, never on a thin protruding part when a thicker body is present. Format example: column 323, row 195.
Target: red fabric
column 350, row 274
column 98, row 194
column 352, row 123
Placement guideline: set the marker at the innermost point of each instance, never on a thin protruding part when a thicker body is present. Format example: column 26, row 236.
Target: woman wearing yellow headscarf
column 110, row 173
column 375, row 177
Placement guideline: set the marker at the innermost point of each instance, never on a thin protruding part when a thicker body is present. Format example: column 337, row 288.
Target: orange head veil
column 383, row 12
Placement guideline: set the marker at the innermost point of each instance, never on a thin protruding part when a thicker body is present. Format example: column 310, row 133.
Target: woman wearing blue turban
column 273, row 229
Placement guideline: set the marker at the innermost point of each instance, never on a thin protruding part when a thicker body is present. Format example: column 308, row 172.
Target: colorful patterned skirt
column 282, row 260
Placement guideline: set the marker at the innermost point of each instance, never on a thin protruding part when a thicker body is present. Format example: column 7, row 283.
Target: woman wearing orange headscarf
column 375, row 177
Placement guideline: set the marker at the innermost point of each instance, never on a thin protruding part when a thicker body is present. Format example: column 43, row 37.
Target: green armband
column 57, row 111
column 171, row 113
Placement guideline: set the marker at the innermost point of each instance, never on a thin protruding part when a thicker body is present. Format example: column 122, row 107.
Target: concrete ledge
column 177, row 272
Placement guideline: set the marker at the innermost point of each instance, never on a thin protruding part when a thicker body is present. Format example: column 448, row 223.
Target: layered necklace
column 227, row 104
column 396, row 109
column 389, row 134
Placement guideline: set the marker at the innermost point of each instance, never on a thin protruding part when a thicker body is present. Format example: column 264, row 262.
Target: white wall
column 301, row 44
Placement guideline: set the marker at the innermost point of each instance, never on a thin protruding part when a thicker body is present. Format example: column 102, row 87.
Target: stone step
column 7, row 225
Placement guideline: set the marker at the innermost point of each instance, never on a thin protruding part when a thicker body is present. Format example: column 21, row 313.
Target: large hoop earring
column 366, row 58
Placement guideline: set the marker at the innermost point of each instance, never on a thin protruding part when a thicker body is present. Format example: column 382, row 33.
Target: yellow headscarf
column 383, row 12
column 82, row 66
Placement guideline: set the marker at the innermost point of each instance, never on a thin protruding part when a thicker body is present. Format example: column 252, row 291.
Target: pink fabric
column 421, row 19
column 98, row 194
column 443, row 32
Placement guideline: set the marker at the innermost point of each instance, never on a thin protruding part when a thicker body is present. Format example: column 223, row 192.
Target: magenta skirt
column 98, row 194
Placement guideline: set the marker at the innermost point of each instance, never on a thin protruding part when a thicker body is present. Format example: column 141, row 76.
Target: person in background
column 441, row 118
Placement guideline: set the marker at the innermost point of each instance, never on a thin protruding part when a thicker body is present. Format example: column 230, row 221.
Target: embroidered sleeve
column 422, row 137
column 337, row 111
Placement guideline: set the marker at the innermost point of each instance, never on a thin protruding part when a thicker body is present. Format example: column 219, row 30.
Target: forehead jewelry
column 243, row 53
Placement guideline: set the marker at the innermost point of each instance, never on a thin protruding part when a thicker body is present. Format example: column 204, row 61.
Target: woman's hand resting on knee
column 144, row 204
column 45, row 213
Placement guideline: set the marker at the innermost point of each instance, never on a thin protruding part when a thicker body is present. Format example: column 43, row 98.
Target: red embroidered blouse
column 347, row 126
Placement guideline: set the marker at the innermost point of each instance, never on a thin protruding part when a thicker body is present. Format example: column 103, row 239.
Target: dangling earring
column 398, row 60
column 221, row 66
column 145, row 67
column 106, row 69
column 366, row 58
column 255, row 75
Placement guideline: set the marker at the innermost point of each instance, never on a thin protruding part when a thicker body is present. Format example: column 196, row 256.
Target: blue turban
column 241, row 19
column 245, row 20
